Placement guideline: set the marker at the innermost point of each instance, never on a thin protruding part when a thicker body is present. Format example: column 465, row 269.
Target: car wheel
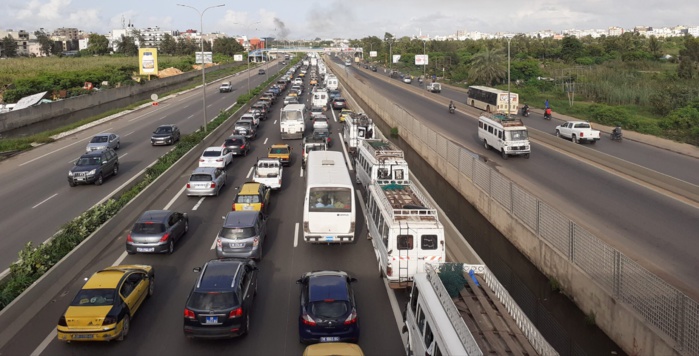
column 245, row 153
column 118, row 145
column 575, row 139
column 186, row 226
column 71, row 183
column 126, row 325
column 171, row 247
column 558, row 133
column 151, row 286
column 485, row 144
column 593, row 142
column 247, row 324
column 527, row 155
column 130, row 252
column 504, row 155
column 116, row 169
column 99, row 180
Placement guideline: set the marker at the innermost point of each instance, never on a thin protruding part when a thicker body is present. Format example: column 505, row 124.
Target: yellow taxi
column 103, row 308
column 313, row 81
column 252, row 196
column 345, row 113
column 281, row 151
column 333, row 348
column 301, row 75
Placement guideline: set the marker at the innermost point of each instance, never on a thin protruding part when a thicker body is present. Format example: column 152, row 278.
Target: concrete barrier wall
column 632, row 331
column 52, row 115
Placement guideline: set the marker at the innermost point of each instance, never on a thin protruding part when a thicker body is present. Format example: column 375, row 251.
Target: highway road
column 652, row 228
column 157, row 328
column 36, row 198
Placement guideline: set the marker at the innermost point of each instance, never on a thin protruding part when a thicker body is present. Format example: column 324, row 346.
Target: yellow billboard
column 148, row 61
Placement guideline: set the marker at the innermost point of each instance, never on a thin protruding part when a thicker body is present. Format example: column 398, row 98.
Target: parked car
column 328, row 310
column 156, row 231
column 103, row 308
column 252, row 196
column 339, row 103
column 206, row 181
column 242, row 235
column 103, row 141
column 216, row 157
column 165, row 135
column 321, row 122
column 221, row 300
column 93, row 167
column 226, row 87
column 238, row 145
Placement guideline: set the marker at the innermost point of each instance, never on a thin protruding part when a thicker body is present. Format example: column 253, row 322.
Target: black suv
column 93, row 167
column 165, row 135
column 220, row 303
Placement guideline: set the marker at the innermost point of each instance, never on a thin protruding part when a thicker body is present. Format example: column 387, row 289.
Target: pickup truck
column 268, row 171
column 226, row 87
column 434, row 87
column 578, row 132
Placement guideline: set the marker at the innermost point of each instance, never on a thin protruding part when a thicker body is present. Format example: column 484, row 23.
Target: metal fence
column 660, row 304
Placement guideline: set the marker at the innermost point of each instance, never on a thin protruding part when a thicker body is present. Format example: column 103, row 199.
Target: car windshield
column 200, row 178
column 330, row 309
column 330, row 199
column 234, row 142
column 244, row 124
column 99, row 139
column 212, row 300
column 516, row 135
column 163, row 130
column 278, row 150
column 89, row 161
column 211, row 154
column 321, row 134
column 94, row 297
column 148, row 228
column 237, row 233
column 247, row 199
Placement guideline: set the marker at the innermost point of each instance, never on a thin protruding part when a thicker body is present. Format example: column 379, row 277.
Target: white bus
column 404, row 230
column 329, row 206
column 357, row 128
column 291, row 121
column 507, row 135
column 492, row 100
column 380, row 161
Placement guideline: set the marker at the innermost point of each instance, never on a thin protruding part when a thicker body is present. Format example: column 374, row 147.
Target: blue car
column 328, row 311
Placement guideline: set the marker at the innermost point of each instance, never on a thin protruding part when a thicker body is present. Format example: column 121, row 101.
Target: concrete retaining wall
column 618, row 320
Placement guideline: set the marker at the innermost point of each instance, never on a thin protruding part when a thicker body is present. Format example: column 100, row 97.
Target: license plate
column 328, row 238
column 236, row 245
column 211, row 320
column 330, row 339
column 81, row 179
column 145, row 249
column 248, row 207
column 83, row 336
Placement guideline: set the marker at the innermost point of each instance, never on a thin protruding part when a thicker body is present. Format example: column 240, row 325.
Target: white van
column 331, row 82
column 320, row 98
column 507, row 135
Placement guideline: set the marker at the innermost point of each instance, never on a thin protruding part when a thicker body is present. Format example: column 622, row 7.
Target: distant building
column 22, row 38
column 65, row 33
column 615, row 31
column 694, row 31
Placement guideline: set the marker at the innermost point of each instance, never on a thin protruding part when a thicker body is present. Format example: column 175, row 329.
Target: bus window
column 383, row 173
column 429, row 337
column 413, row 299
column 398, row 174
column 420, row 319
column 405, row 242
column 384, row 235
column 428, row 242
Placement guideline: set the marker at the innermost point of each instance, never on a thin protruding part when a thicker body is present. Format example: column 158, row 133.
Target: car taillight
column 255, row 242
column 189, row 314
column 188, row 186
column 233, row 207
column 62, row 321
column 109, row 320
column 582, row 134
column 202, row 160
column 165, row 236
column 213, row 184
column 262, row 206
column 308, row 320
column 389, row 271
column 219, row 244
column 219, row 159
column 352, row 318
column 236, row 313
column 242, row 147
column 128, row 238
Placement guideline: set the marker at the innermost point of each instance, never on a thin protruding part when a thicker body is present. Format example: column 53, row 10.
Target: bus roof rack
column 503, row 119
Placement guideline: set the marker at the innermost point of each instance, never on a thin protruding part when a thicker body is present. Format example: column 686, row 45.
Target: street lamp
column 509, row 39
column 424, row 52
column 203, row 61
column 247, row 28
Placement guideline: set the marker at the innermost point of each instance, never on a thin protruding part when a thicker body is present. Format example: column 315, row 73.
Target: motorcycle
column 616, row 135
column 525, row 112
column 452, row 109
column 547, row 116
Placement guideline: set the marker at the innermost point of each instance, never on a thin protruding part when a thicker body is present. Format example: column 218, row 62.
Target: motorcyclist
column 616, row 132
column 547, row 112
column 452, row 107
column 525, row 109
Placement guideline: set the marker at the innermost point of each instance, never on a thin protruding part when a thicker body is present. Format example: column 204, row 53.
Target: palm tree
column 487, row 66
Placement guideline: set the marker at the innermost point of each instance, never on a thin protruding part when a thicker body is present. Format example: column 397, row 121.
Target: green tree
column 488, row 67
column 655, row 47
column 126, row 45
column 228, row 46
column 97, row 44
column 9, row 46
column 45, row 43
column 571, row 48
column 168, row 45
column 686, row 68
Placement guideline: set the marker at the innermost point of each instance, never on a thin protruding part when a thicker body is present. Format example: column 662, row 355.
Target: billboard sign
column 372, row 53
column 238, row 57
column 396, row 58
column 148, row 61
column 421, row 60
column 207, row 57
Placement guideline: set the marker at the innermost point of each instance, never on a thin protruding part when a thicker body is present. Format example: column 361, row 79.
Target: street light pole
column 424, row 52
column 509, row 39
column 203, row 61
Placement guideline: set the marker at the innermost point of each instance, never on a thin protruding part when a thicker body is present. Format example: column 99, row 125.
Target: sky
column 353, row 19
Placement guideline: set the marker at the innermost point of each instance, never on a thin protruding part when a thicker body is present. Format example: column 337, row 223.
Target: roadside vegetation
column 646, row 84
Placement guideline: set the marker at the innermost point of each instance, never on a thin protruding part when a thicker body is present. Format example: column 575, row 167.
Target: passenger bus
column 380, row 161
column 492, row 100
column 404, row 230
column 329, row 208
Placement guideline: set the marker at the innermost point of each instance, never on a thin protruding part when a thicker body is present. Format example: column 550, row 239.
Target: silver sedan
column 206, row 181
column 103, row 141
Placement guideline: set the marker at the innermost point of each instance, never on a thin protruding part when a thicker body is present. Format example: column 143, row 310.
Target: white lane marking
column 39, row 349
column 196, row 206
column 120, row 259
column 230, row 107
column 140, row 116
column 54, row 151
column 190, row 116
column 296, row 235
column 250, row 172
column 172, row 201
column 124, row 155
column 275, row 122
column 44, row 201
column 344, row 149
column 161, row 118
column 334, row 117
column 128, row 134
column 213, row 245
column 208, row 106
column 73, row 160
column 301, row 174
column 264, row 143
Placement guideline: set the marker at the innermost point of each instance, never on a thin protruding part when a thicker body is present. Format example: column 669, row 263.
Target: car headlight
column 91, row 173
column 70, row 173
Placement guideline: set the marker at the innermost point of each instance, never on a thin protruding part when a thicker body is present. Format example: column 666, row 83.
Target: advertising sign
column 148, row 61
column 238, row 57
column 421, row 60
column 207, row 57
column 372, row 53
column 396, row 58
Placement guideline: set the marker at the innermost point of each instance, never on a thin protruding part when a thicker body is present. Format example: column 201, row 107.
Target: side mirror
column 196, row 269
column 104, row 162
column 352, row 280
